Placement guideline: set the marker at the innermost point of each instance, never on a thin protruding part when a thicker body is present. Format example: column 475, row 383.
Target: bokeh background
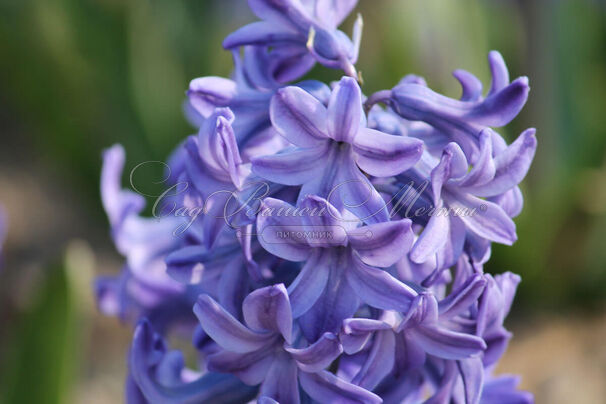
column 77, row 76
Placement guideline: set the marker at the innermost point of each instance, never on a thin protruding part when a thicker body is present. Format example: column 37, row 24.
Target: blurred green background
column 77, row 76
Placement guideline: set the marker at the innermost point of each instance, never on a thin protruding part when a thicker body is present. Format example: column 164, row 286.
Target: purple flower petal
column 207, row 93
column 262, row 33
column 382, row 244
column 345, row 111
column 319, row 355
column 484, row 168
column 225, row 330
column 410, row 354
column 511, row 166
column 472, row 375
column 281, row 381
column 118, row 204
column 339, row 296
column 268, row 309
column 148, row 354
column 378, row 288
column 511, row 201
column 276, row 225
column 499, row 72
column 380, row 361
column 250, row 367
column 234, row 285
column 292, row 166
column 433, row 237
column 488, row 219
column 299, row 117
column 460, row 299
column 325, row 387
column 356, row 332
column 358, row 195
column 383, row 155
column 308, row 286
column 471, row 85
column 447, row 344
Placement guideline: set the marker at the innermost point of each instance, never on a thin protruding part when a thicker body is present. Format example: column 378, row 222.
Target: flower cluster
column 334, row 243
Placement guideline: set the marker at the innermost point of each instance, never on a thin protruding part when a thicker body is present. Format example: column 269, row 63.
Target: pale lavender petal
column 262, row 33
column 292, row 166
column 508, row 284
column 499, row 72
column 447, row 344
column 471, row 85
column 378, row 288
column 345, row 110
column 225, row 330
column 147, row 354
column 234, row 285
column 356, row 332
column 511, row 201
column 325, row 387
column 266, row 400
column 484, row 168
column 291, row 63
column 277, row 231
column 443, row 393
column 449, row 253
column 382, row 244
column 322, row 222
column 433, row 237
column 358, row 195
column 511, row 166
column 380, row 361
column 308, row 286
column 383, row 155
column 207, row 93
column 118, row 204
column 337, row 295
column 460, row 299
column 319, row 212
column 410, row 354
column 268, row 309
column 250, row 367
column 498, row 109
column 319, row 355
column 299, row 117
column 453, row 164
column 472, row 375
column 281, row 381
column 488, row 220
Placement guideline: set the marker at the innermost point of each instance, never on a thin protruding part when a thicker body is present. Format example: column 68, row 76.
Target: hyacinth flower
column 159, row 375
column 461, row 120
column 332, row 146
column 144, row 287
column 262, row 352
column 248, row 95
column 341, row 268
column 401, row 343
column 323, row 288
column 456, row 187
column 301, row 33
